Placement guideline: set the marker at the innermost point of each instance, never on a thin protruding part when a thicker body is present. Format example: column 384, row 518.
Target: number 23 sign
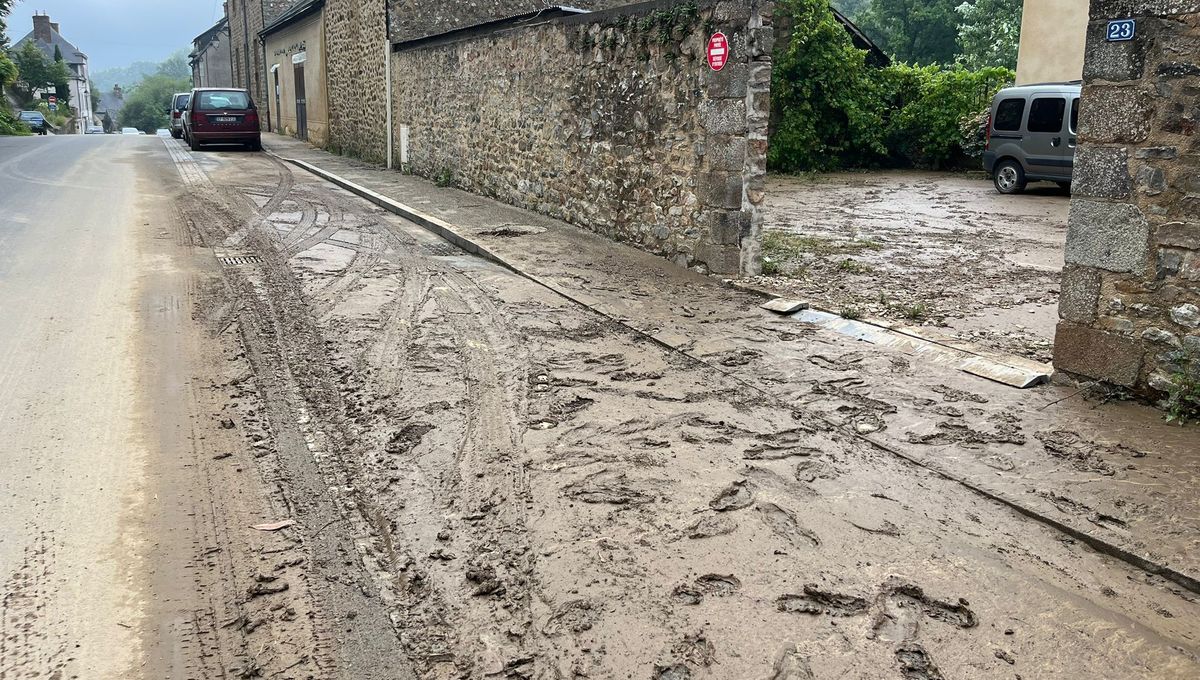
column 1121, row 30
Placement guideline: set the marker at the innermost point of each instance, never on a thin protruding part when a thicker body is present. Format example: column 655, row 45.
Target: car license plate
column 226, row 119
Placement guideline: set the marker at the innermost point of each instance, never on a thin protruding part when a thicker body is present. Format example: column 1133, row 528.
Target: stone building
column 1053, row 33
column 212, row 57
column 47, row 38
column 247, row 18
column 295, row 48
column 1130, row 307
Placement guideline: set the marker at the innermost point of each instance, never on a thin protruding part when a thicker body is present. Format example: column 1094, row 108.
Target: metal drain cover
column 242, row 259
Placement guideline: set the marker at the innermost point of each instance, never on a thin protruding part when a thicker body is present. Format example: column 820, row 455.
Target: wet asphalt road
column 69, row 447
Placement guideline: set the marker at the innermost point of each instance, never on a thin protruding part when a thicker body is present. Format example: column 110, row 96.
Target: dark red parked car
column 218, row 115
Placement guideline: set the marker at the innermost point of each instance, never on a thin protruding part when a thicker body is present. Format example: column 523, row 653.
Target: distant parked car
column 95, row 130
column 1032, row 135
column 179, row 102
column 130, row 131
column 163, row 132
column 35, row 120
column 221, row 116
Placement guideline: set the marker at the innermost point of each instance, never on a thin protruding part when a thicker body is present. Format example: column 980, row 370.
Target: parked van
column 1031, row 135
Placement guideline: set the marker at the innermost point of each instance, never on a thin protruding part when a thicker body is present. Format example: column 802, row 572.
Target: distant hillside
column 129, row 76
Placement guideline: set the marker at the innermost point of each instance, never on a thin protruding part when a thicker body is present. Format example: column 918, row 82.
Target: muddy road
column 458, row 473
column 923, row 248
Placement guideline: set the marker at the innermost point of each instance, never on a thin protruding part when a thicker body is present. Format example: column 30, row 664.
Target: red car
column 217, row 115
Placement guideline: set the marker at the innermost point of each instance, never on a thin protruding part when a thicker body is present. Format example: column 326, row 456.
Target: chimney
column 54, row 26
column 41, row 28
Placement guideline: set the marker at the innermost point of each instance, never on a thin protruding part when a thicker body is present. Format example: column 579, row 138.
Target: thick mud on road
column 922, row 248
column 488, row 480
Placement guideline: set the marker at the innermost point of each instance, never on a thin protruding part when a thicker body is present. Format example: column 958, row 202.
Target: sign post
column 53, row 103
column 718, row 51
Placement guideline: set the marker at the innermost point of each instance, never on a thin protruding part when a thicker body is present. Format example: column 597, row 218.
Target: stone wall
column 611, row 121
column 356, row 46
column 413, row 19
column 1130, row 305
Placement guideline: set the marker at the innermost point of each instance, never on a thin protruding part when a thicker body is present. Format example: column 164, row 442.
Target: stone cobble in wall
column 611, row 121
column 356, row 44
column 1130, row 307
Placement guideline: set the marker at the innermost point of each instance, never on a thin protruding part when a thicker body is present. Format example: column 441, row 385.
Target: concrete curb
column 446, row 230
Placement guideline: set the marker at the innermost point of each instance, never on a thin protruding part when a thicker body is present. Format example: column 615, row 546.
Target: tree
column 826, row 111
column 914, row 31
column 5, row 8
column 146, row 106
column 853, row 9
column 989, row 33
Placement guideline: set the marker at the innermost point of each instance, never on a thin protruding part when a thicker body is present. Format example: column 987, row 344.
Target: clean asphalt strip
column 190, row 171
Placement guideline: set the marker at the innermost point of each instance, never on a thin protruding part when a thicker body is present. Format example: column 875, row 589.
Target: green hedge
column 832, row 110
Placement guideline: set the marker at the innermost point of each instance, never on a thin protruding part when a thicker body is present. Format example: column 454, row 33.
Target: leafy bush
column 827, row 112
column 9, row 125
column 929, row 105
column 832, row 110
column 973, row 132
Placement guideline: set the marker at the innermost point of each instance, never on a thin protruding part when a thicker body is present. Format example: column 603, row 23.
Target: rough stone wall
column 356, row 44
column 611, row 121
column 412, row 19
column 1130, row 305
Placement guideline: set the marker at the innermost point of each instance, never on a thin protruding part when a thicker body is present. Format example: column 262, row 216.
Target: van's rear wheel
column 1009, row 177
column 195, row 145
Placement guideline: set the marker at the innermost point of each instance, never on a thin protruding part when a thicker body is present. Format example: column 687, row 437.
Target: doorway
column 301, row 105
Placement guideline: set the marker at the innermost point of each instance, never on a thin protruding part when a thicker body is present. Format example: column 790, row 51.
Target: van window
column 1046, row 114
column 1074, row 115
column 1008, row 114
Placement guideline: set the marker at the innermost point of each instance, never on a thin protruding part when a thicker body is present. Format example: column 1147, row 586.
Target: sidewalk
column 1112, row 475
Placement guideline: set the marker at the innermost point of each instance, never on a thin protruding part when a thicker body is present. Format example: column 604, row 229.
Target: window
column 1074, row 115
column 222, row 99
column 1046, row 114
column 1008, row 115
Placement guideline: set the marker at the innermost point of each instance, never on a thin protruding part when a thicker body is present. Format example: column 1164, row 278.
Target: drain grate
column 245, row 259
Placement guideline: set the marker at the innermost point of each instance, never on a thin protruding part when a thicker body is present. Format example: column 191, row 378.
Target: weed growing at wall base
column 1183, row 396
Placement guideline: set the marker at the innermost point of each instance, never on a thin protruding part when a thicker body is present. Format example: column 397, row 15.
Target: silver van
column 1031, row 135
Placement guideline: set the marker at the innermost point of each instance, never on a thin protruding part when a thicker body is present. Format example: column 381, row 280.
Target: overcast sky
column 119, row 32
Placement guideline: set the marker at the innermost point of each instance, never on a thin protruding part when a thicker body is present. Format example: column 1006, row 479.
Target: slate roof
column 70, row 53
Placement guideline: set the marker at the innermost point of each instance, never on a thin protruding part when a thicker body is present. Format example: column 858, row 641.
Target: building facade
column 1053, row 36
column 295, row 52
column 47, row 38
column 247, row 18
column 212, row 57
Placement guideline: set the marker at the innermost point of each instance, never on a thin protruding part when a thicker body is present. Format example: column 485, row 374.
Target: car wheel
column 195, row 145
column 176, row 134
column 256, row 145
column 1009, row 177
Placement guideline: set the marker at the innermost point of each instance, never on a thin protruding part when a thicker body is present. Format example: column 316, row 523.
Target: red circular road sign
column 718, row 51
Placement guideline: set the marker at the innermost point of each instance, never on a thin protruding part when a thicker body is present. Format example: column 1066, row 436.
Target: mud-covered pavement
column 922, row 248
column 489, row 480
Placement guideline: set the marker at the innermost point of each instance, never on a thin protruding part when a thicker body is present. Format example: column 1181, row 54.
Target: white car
column 163, row 132
column 130, row 131
column 95, row 130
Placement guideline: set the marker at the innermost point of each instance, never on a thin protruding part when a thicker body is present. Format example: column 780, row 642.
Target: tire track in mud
column 307, row 440
column 392, row 408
